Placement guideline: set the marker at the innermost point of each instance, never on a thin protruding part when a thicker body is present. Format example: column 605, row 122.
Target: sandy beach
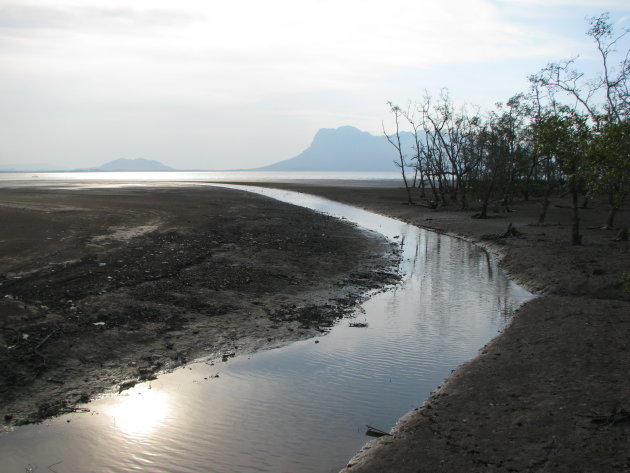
column 103, row 286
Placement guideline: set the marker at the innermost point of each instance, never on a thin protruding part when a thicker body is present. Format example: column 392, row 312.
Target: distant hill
column 137, row 164
column 345, row 149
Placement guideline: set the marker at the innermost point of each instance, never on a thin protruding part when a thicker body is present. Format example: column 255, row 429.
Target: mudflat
column 180, row 272
column 100, row 288
column 552, row 392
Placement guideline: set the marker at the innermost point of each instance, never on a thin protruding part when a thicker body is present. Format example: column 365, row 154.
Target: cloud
column 242, row 51
column 598, row 5
column 60, row 17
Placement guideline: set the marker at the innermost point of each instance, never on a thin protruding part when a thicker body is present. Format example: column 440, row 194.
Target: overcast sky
column 201, row 84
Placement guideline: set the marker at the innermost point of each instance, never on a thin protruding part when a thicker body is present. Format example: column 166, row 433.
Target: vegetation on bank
column 568, row 133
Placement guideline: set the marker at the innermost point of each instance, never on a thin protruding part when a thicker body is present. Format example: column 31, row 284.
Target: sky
column 205, row 84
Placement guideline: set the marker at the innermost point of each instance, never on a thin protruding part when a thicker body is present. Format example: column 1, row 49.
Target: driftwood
column 511, row 231
column 374, row 432
column 39, row 345
column 617, row 416
column 358, row 324
column 50, row 467
column 429, row 204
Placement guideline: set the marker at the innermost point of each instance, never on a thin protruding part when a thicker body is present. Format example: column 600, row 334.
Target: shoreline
column 550, row 393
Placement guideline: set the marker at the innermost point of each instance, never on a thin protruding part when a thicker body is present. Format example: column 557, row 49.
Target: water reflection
column 141, row 411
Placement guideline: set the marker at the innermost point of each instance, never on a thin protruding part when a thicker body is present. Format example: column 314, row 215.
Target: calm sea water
column 301, row 407
column 69, row 179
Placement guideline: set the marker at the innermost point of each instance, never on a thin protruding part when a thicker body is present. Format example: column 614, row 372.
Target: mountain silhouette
column 138, row 164
column 345, row 149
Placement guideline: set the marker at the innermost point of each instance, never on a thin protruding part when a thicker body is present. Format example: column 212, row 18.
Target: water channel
column 301, row 407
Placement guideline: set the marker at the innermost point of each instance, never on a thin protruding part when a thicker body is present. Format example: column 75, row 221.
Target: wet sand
column 552, row 392
column 100, row 288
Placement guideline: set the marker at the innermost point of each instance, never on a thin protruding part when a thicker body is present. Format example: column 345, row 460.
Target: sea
column 167, row 178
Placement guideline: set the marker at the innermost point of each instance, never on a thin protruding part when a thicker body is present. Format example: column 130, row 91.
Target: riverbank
column 101, row 288
column 551, row 393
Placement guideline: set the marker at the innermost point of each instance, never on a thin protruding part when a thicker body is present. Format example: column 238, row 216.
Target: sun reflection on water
column 140, row 412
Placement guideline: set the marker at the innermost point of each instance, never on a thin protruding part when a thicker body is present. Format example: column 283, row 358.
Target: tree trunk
column 545, row 203
column 404, row 176
column 610, row 218
column 484, row 206
column 434, row 191
column 423, row 193
column 441, row 188
column 576, row 238
column 614, row 206
column 409, row 199
column 464, row 198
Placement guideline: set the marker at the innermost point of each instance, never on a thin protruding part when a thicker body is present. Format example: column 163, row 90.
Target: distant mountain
column 138, row 164
column 345, row 149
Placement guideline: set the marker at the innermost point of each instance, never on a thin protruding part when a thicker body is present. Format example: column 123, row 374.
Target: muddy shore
column 549, row 394
column 100, row 288
column 552, row 392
